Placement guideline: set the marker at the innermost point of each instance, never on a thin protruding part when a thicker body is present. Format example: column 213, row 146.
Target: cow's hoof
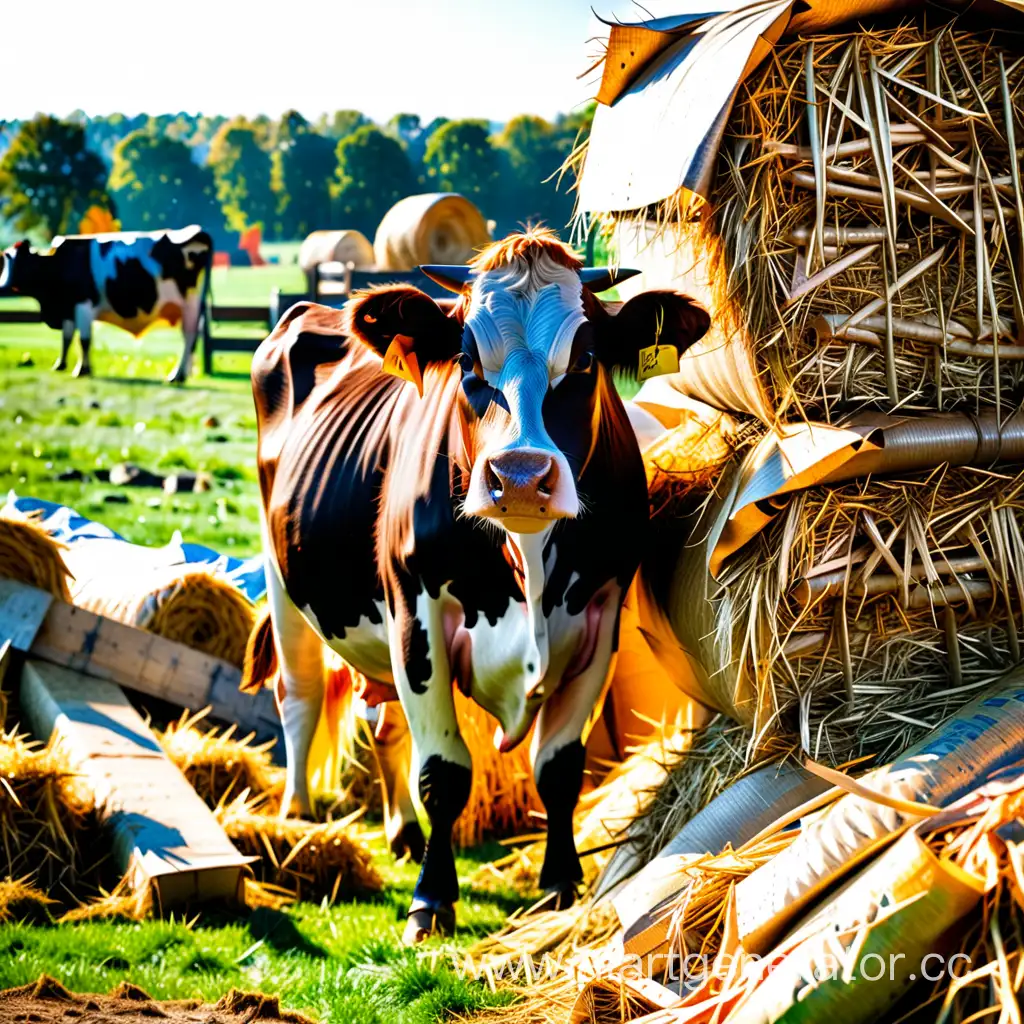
column 558, row 897
column 82, row 370
column 409, row 840
column 426, row 920
column 59, row 365
column 177, row 376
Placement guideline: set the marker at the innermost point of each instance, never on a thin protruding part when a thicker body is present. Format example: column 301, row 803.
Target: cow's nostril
column 547, row 486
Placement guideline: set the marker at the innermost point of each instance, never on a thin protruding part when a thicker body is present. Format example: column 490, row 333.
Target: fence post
column 207, row 343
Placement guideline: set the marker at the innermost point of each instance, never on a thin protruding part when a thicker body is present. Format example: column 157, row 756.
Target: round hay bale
column 437, row 227
column 187, row 603
column 343, row 246
column 30, row 555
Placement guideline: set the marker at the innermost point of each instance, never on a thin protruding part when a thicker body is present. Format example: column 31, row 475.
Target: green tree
column 103, row 133
column 290, row 126
column 304, row 166
column 533, row 155
column 374, row 172
column 157, row 184
column 342, row 123
column 242, row 170
column 460, row 158
column 49, row 178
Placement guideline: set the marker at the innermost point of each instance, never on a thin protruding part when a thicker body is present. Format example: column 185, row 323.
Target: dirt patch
column 48, row 1002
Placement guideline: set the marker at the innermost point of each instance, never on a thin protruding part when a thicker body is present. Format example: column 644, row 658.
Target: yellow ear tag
column 400, row 361
column 656, row 360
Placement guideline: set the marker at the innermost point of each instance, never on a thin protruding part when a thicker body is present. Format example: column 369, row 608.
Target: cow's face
column 536, row 351
column 529, row 381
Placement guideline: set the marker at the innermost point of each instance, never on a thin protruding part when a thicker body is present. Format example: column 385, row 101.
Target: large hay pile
column 869, row 611
column 865, row 223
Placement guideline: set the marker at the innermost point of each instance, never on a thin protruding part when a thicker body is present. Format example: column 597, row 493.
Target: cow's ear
column 405, row 327
column 646, row 330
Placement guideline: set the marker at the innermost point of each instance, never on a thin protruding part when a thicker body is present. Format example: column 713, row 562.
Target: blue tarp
column 69, row 526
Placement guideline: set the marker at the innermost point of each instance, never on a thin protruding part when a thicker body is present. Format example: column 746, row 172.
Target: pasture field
column 55, row 425
column 342, row 963
column 339, row 964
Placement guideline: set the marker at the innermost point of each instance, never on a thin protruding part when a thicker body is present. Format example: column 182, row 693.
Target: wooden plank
column 104, row 649
column 244, row 314
column 22, row 611
column 163, row 833
column 20, row 316
column 234, row 344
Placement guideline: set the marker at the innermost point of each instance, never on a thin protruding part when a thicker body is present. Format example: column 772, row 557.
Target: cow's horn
column 598, row 279
column 451, row 276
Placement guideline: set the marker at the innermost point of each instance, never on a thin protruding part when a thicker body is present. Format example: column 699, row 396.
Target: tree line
column 290, row 175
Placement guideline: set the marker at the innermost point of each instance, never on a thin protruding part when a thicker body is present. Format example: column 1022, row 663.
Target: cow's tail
column 338, row 731
column 260, row 666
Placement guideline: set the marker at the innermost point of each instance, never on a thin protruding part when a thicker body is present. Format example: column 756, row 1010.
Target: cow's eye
column 584, row 363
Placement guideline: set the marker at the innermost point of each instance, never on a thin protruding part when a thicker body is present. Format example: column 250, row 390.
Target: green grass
column 51, row 422
column 340, row 964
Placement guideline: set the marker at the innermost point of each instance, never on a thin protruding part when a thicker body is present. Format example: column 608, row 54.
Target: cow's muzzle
column 524, row 489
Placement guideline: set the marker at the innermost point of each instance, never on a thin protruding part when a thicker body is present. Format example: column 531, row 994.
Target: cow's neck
column 530, row 551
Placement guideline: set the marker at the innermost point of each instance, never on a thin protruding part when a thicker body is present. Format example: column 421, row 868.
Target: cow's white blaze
column 524, row 318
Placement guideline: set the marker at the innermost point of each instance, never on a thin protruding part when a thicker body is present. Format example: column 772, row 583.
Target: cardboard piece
column 163, row 833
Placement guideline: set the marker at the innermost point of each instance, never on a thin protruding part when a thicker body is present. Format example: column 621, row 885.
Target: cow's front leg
column 558, row 756
column 441, row 765
column 67, row 335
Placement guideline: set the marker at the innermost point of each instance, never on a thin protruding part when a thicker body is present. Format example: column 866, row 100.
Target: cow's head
column 14, row 265
column 537, row 350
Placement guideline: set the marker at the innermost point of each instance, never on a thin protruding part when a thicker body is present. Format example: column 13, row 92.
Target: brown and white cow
column 459, row 498
column 131, row 279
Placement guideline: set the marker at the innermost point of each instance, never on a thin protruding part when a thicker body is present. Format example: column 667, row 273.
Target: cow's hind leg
column 392, row 749
column 67, row 334
column 300, row 692
column 441, row 763
column 558, row 758
column 189, row 332
column 83, row 321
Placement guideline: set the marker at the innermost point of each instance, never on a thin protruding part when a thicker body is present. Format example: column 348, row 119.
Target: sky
column 457, row 58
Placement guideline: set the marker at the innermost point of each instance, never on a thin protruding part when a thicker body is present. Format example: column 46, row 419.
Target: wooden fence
column 329, row 283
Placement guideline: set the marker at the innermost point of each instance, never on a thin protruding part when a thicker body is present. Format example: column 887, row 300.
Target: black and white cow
column 458, row 497
column 129, row 279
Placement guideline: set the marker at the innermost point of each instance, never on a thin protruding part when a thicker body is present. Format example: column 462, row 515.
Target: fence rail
column 329, row 283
